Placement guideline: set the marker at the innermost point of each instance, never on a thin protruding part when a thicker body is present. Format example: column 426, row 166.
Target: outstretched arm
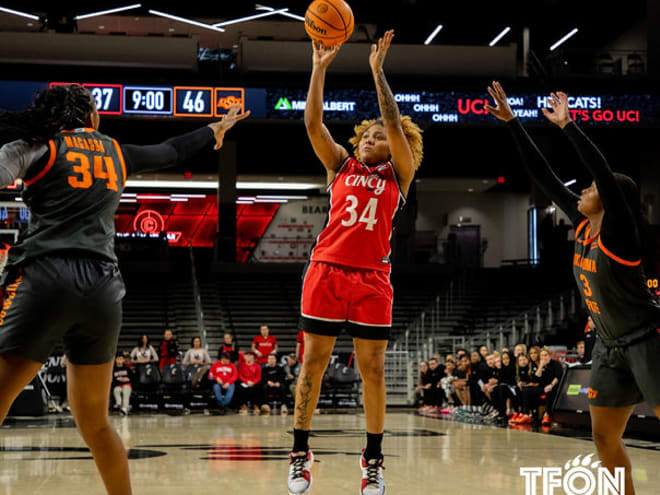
column 533, row 160
column 619, row 223
column 402, row 157
column 327, row 150
column 177, row 150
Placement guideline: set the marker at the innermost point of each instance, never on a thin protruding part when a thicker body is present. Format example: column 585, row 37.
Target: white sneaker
column 300, row 477
column 372, row 476
column 284, row 410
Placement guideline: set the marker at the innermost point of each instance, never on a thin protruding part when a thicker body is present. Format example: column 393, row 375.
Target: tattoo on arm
column 388, row 107
column 303, row 401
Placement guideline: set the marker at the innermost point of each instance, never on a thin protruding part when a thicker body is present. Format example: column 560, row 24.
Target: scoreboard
column 355, row 104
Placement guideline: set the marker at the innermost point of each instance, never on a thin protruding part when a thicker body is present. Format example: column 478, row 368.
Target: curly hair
column 54, row 109
column 411, row 130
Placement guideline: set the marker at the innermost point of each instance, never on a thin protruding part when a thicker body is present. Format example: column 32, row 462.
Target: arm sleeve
column 539, row 169
column 207, row 357
column 211, row 373
column 16, row 158
column 619, row 230
column 186, row 358
column 154, row 354
column 167, row 154
column 134, row 354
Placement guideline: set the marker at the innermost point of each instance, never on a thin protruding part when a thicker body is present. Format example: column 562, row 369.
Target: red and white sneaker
column 300, row 477
column 372, row 476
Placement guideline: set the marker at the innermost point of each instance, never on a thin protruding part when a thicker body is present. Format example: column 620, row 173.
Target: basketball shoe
column 300, row 477
column 372, row 476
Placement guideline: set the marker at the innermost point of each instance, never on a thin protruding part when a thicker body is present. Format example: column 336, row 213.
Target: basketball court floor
column 248, row 454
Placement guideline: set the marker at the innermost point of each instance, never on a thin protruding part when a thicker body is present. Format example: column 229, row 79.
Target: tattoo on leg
column 302, row 404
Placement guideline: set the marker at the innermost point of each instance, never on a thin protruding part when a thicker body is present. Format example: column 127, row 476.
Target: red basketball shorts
column 336, row 297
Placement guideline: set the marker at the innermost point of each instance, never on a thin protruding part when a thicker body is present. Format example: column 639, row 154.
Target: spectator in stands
column 518, row 350
column 249, row 376
column 477, row 368
column 435, row 374
column 300, row 346
column 229, row 347
column 291, row 373
column 437, row 357
column 273, row 384
column 488, row 377
column 263, row 344
column 580, row 348
column 549, row 375
column 196, row 354
column 483, row 352
column 169, row 349
column 423, row 385
column 223, row 375
column 448, row 378
column 504, row 393
column 534, row 358
column 121, row 385
column 143, row 352
column 524, row 380
column 450, row 357
column 460, row 353
column 460, row 384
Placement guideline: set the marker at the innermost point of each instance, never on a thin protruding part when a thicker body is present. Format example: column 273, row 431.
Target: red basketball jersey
column 363, row 202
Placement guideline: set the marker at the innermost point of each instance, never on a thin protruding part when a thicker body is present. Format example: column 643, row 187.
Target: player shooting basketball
column 347, row 282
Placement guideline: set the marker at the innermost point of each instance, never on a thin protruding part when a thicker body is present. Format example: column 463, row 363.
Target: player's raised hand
column 559, row 114
column 322, row 57
column 378, row 52
column 502, row 109
column 228, row 121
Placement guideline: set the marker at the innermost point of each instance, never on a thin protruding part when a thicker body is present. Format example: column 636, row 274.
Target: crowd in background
column 253, row 380
column 490, row 386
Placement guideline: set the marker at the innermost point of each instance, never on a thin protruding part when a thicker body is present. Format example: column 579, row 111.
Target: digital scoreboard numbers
column 193, row 101
column 108, row 97
column 147, row 100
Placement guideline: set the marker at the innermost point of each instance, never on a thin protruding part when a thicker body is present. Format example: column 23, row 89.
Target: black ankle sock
column 300, row 440
column 374, row 442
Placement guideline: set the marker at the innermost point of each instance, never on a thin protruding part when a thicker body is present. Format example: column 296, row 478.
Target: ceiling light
column 286, row 14
column 110, row 11
column 499, row 36
column 572, row 33
column 186, row 21
column 19, row 13
column 251, row 17
column 282, row 197
column 570, row 182
column 293, row 186
column 433, row 34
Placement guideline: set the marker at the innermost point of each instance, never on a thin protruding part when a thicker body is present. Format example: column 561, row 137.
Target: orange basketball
column 329, row 22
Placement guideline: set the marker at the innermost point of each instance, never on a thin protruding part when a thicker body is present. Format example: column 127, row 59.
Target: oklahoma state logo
column 225, row 98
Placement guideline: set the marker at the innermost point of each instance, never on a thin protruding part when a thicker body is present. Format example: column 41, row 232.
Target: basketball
column 329, row 22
